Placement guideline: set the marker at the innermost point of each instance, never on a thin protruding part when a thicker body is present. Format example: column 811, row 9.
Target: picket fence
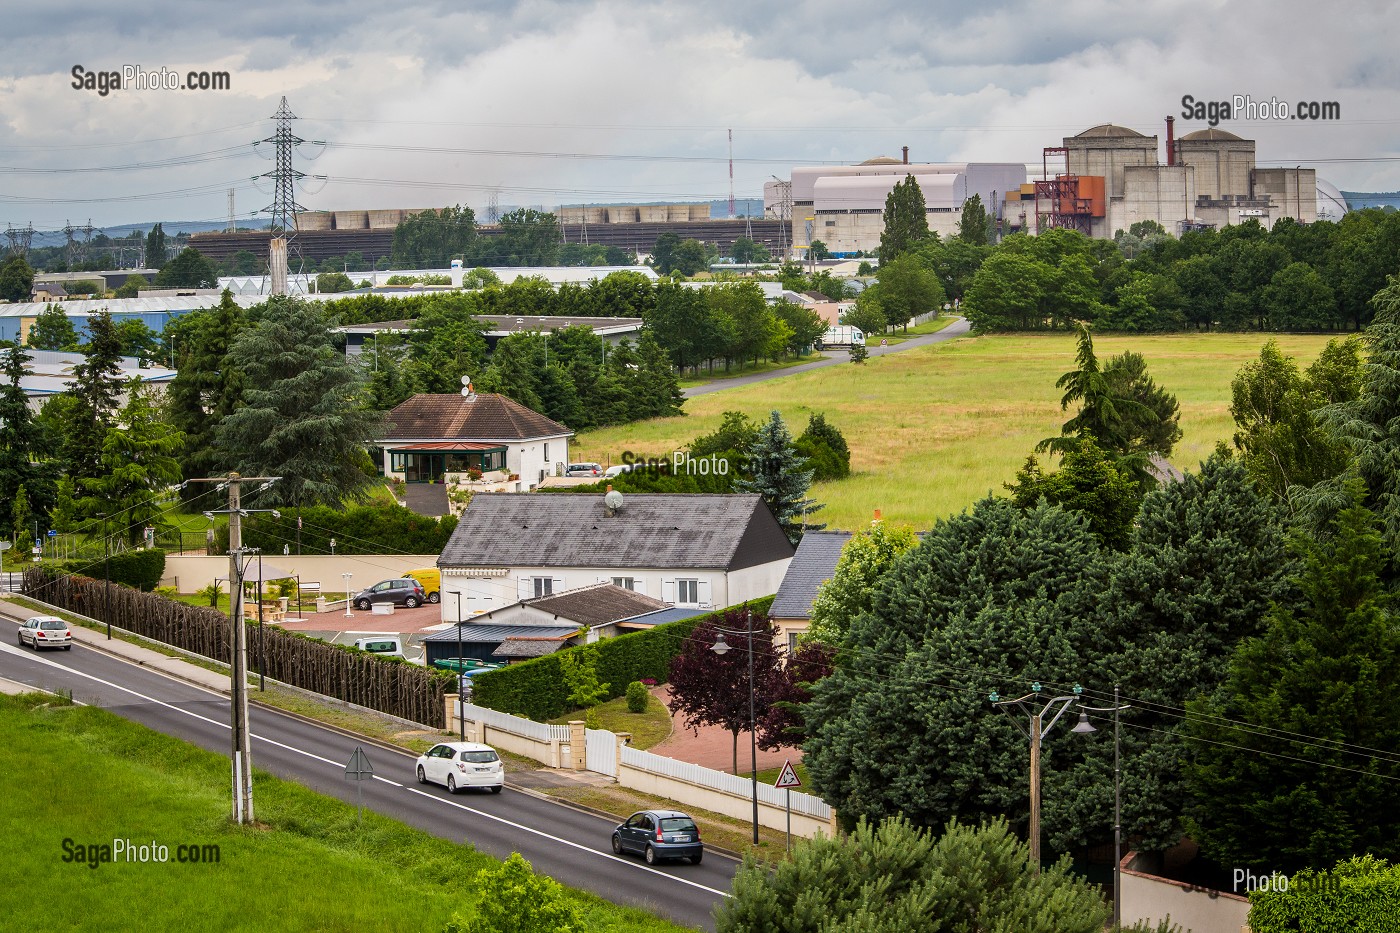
column 539, row 731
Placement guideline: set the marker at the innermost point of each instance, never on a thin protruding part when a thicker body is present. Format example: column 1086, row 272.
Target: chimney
column 906, row 155
column 1171, row 141
column 877, row 517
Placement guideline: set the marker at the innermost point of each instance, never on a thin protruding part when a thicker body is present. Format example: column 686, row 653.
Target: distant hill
column 1360, row 200
column 172, row 228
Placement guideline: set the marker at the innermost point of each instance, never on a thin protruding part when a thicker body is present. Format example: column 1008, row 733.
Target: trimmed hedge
column 536, row 688
column 1360, row 895
column 140, row 570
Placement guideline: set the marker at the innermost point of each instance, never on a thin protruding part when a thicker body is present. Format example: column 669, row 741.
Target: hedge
column 376, row 528
column 1360, row 895
column 140, row 570
column 536, row 688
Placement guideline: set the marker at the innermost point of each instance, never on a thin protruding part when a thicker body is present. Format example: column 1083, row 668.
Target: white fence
column 600, row 746
column 723, row 782
column 539, row 731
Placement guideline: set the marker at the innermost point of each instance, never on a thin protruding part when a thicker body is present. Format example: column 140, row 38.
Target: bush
column 1360, row 895
column 637, row 697
column 377, row 528
column 537, row 689
column 140, row 570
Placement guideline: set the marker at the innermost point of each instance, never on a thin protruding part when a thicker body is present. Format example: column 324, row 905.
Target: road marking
column 337, row 765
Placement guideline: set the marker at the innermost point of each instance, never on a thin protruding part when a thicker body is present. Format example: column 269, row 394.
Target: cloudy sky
column 427, row 104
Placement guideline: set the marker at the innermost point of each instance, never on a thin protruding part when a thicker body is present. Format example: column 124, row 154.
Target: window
column 546, row 452
column 687, row 592
column 627, row 583
column 792, row 642
column 543, row 586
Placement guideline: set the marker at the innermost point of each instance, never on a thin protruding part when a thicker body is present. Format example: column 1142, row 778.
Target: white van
column 391, row 645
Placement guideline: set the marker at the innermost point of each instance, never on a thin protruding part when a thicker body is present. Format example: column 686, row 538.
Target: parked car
column 404, row 591
column 46, row 632
column 659, row 834
column 462, row 764
column 390, row 645
column 584, row 469
column 618, row 470
column 430, row 578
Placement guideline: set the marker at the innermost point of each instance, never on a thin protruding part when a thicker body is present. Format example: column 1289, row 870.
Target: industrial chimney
column 906, row 155
column 1171, row 141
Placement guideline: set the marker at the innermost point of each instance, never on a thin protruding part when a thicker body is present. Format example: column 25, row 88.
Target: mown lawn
column 647, row 728
column 934, row 429
column 80, row 773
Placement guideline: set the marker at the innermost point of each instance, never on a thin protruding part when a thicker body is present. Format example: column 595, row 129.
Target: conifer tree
column 97, row 387
column 22, row 448
column 780, row 476
column 906, row 220
column 206, row 389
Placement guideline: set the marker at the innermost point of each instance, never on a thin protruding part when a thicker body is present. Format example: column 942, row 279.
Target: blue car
column 659, row 834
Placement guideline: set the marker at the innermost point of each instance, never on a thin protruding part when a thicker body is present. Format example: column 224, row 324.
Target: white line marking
column 414, row 790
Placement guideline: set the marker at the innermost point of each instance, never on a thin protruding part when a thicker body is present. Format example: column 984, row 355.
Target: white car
column 46, row 632
column 456, row 765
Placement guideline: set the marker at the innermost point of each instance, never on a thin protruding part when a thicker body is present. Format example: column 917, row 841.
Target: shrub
column 637, row 697
column 140, row 570
column 537, row 688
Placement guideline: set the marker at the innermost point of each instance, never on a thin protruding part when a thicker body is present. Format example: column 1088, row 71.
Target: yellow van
column 431, row 580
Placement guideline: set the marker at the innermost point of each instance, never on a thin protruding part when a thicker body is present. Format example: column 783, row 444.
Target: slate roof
column 481, row 417
column 598, row 604
column 528, row 647
column 690, row 531
column 812, row 565
column 662, row 616
column 474, row 633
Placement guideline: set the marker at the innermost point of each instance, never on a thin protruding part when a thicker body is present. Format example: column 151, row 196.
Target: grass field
column 647, row 728
column 311, row 866
column 934, row 429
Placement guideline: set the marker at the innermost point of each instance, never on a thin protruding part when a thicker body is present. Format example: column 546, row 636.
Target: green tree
column 516, row 900
column 138, row 340
column 1088, row 482
column 155, row 248
column 579, row 669
column 206, row 389
column 736, row 434
column 131, row 288
column 333, row 282
column 898, row 878
column 302, row 416
column 445, row 344
column 1283, row 772
column 906, row 220
column 246, row 263
column 21, row 515
column 806, row 325
column 528, row 238
column 16, row 279
column 431, row 238
column 818, row 250
column 1298, row 298
column 975, row 226
column 96, row 386
column 825, row 448
column 780, row 476
column 747, row 251
column 1111, row 421
column 1360, row 895
column 658, row 391
column 664, row 251
column 868, row 315
column 1007, row 293
column 138, row 465
column 907, row 289
column 189, row 269
column 864, row 561
column 689, row 258
column 1155, row 427
column 52, row 330
column 24, row 474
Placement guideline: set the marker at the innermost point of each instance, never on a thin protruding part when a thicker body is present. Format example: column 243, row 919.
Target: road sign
column 53, row 533
column 4, row 545
column 359, row 768
column 787, row 777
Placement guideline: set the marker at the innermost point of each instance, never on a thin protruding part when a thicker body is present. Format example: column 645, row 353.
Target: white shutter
column 668, row 591
column 639, row 585
column 702, row 593
column 525, row 588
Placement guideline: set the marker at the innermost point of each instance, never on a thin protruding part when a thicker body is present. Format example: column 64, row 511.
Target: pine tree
column 906, row 220
column 206, row 389
column 975, row 226
column 155, row 248
column 22, row 445
column 1284, row 771
column 780, row 476
column 97, row 387
column 303, row 416
column 659, row 390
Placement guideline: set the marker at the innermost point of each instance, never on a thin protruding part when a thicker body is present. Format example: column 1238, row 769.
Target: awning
column 436, row 446
column 269, row 572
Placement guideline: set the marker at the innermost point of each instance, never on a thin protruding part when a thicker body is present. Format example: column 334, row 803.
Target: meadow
column 934, row 429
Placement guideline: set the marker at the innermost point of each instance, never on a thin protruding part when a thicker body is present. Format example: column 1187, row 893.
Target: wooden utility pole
column 1035, row 792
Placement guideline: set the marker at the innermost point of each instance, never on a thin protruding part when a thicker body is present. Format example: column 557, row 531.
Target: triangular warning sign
column 359, row 768
column 787, row 777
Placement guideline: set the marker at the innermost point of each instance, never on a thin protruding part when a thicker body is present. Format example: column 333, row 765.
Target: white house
column 692, row 550
column 433, row 435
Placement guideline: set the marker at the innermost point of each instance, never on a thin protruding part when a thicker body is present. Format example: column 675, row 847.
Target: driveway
column 341, row 629
column 959, row 328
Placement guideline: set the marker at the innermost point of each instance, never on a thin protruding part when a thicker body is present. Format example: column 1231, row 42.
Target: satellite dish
column 467, row 387
column 613, row 500
column 466, row 380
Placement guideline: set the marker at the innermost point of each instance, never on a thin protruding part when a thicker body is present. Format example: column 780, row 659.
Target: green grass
column 308, row 866
column 647, row 729
column 719, row 374
column 918, row 330
column 935, row 428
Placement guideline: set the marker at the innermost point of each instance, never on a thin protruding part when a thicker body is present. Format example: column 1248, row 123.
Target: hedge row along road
column 563, row 843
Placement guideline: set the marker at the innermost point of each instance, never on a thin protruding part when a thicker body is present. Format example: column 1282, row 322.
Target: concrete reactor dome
column 1109, row 130
column 1211, row 135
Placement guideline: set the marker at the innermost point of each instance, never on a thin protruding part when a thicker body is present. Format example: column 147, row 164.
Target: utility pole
column 241, row 738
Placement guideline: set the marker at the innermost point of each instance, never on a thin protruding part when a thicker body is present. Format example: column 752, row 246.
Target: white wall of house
column 532, row 458
column 703, row 589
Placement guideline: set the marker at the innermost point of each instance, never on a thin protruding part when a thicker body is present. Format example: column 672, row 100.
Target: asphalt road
column 958, row 328
column 566, row 844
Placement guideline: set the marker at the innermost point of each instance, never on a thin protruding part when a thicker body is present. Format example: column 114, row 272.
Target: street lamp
column 1084, row 727
column 107, row 575
column 346, row 577
column 721, row 648
column 1036, row 729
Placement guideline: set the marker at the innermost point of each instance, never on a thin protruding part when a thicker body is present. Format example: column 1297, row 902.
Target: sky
column 415, row 104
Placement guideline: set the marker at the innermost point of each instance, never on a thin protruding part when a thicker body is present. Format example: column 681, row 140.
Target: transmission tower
column 70, row 247
column 283, row 251
column 493, row 207
column 20, row 238
column 731, row 174
column 232, row 223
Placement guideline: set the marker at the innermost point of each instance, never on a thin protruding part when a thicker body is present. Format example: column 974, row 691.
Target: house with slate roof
column 697, row 551
column 431, row 436
column 812, row 565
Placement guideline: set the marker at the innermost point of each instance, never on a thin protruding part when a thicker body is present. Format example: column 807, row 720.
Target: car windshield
column 678, row 824
column 52, row 624
column 479, row 757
